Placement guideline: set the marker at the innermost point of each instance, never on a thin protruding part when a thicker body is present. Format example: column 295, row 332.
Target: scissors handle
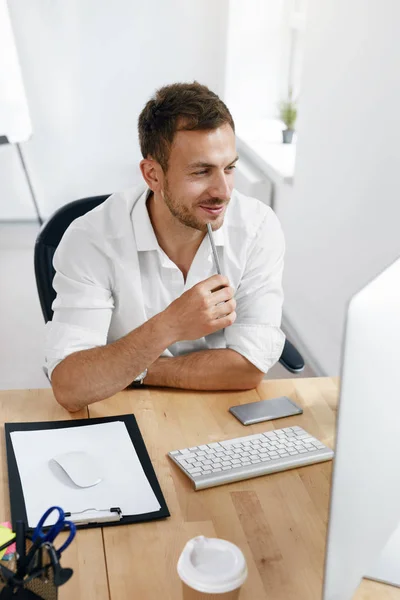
column 72, row 532
column 55, row 529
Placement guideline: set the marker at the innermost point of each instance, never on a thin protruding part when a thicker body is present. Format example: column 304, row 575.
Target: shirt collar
column 144, row 232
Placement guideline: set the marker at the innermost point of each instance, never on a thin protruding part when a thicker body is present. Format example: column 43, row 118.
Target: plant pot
column 287, row 135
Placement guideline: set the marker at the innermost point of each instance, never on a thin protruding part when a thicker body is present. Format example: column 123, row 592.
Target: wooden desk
column 279, row 521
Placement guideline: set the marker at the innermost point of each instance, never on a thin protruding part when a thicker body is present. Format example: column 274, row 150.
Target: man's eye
column 231, row 168
column 200, row 172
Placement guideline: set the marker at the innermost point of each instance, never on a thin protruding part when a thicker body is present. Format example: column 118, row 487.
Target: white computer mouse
column 82, row 468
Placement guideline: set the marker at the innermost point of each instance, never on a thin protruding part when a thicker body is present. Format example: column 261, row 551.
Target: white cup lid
column 212, row 566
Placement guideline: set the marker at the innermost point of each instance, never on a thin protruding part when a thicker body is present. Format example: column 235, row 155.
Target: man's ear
column 152, row 173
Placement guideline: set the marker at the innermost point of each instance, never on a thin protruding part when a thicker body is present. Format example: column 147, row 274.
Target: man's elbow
column 65, row 400
column 63, row 392
column 252, row 378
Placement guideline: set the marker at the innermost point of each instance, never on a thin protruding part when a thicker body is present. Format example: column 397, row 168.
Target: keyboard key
column 203, row 447
column 248, row 438
column 194, row 470
column 193, row 449
column 226, row 463
column 214, row 445
column 188, row 454
column 207, row 462
column 217, row 470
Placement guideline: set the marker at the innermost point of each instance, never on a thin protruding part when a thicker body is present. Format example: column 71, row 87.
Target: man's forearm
column 91, row 375
column 220, row 369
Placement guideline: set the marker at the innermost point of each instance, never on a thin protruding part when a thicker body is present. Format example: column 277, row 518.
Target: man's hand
column 205, row 308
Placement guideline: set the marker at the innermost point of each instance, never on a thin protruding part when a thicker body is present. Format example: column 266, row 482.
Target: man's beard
column 183, row 214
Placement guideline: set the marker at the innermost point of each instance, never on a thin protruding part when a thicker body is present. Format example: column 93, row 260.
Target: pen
column 20, row 548
column 213, row 248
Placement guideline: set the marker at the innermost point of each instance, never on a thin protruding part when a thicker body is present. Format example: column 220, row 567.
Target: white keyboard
column 250, row 456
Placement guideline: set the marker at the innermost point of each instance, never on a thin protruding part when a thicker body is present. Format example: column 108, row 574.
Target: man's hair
column 177, row 107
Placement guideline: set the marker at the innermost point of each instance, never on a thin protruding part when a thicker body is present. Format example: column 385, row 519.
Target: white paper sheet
column 45, row 484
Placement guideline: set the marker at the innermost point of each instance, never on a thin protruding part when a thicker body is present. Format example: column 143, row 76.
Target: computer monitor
column 365, row 499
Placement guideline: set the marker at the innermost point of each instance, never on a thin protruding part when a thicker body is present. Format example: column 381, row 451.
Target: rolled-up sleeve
column 256, row 333
column 84, row 302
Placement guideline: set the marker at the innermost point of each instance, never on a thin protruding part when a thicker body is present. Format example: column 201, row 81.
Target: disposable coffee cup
column 211, row 569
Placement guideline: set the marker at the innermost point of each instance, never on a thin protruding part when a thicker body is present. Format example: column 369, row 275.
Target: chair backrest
column 46, row 243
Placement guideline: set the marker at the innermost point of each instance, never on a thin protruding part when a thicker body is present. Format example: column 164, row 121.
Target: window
column 264, row 61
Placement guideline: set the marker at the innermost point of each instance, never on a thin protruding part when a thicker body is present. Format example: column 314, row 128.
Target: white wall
column 255, row 57
column 342, row 218
column 89, row 66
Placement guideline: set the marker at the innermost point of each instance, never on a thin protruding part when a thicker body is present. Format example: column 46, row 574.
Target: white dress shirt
column 112, row 276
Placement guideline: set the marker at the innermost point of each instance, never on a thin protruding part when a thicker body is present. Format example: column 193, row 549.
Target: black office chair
column 47, row 241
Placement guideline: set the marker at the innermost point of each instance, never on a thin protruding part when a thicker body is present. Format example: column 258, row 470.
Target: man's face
column 199, row 181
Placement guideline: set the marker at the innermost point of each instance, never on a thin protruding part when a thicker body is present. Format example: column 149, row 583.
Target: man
column 138, row 297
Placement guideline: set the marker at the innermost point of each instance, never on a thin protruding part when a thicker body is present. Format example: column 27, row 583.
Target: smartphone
column 265, row 410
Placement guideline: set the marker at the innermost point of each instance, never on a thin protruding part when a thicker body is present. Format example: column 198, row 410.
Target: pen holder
column 38, row 584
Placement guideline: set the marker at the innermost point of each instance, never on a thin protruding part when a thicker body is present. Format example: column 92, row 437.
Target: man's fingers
column 225, row 321
column 226, row 293
column 224, row 308
column 215, row 282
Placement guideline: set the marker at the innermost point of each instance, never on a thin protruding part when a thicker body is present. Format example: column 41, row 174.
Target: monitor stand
column 387, row 567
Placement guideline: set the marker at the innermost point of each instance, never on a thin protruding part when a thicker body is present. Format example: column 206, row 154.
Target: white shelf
column 261, row 141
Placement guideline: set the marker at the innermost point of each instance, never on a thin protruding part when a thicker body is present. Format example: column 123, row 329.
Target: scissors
column 39, row 537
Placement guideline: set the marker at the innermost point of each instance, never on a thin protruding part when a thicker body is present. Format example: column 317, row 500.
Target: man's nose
column 221, row 187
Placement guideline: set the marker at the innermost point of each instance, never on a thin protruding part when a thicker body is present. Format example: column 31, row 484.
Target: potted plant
column 288, row 114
